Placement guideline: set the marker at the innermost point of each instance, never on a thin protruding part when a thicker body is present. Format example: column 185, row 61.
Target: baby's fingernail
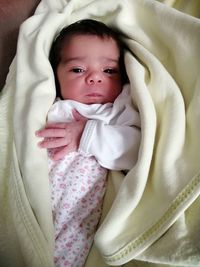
column 39, row 144
column 37, row 133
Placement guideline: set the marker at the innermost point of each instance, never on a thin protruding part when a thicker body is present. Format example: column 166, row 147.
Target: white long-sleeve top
column 112, row 132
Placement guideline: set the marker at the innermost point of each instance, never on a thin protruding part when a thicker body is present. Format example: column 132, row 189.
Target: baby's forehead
column 69, row 37
column 89, row 52
column 88, row 44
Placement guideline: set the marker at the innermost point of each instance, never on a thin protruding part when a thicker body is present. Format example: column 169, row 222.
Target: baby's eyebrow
column 71, row 59
column 108, row 59
column 79, row 59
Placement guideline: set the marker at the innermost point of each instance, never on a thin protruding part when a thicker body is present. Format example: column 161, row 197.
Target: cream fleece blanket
column 151, row 214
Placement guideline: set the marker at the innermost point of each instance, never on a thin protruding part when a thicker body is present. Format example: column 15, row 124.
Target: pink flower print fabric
column 77, row 189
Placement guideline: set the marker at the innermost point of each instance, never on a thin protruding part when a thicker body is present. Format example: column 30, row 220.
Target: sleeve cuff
column 87, row 137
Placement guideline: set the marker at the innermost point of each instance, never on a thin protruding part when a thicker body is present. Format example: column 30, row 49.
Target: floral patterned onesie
column 78, row 187
column 78, row 181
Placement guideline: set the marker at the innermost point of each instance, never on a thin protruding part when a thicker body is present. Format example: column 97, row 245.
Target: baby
column 93, row 127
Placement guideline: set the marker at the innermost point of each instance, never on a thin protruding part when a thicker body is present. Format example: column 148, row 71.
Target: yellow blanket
column 152, row 213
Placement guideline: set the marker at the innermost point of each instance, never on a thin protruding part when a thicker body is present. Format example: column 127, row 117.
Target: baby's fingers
column 48, row 132
column 53, row 143
column 77, row 116
column 56, row 125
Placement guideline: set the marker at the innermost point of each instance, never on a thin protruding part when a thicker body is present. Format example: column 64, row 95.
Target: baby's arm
column 62, row 137
column 115, row 147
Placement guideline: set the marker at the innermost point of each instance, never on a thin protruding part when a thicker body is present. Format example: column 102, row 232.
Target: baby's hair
column 85, row 27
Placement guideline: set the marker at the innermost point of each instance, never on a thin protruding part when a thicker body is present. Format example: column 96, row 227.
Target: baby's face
column 89, row 70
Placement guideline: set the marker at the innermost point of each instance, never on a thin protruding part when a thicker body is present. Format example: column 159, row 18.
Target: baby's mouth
column 94, row 95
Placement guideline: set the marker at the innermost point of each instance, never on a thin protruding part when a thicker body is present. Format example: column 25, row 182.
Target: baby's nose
column 94, row 77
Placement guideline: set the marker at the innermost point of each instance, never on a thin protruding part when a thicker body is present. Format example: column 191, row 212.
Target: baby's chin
column 94, row 100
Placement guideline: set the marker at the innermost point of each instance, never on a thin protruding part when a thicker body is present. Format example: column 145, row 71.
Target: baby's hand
column 62, row 138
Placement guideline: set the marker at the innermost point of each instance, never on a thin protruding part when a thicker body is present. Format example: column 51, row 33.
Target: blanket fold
column 149, row 215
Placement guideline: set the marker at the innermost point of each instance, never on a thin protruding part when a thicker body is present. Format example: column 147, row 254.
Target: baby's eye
column 111, row 71
column 77, row 70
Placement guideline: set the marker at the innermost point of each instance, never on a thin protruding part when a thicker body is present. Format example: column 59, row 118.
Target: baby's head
column 87, row 59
